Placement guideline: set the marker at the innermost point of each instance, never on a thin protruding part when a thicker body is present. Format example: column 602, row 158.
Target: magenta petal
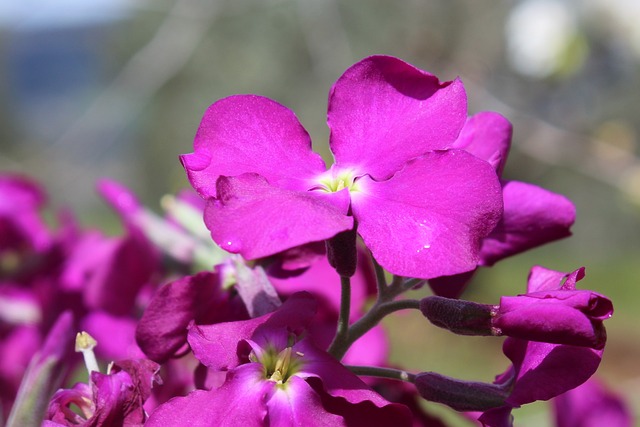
column 543, row 279
column 372, row 349
column 297, row 404
column 532, row 216
column 256, row 219
column 548, row 370
column 216, row 345
column 249, row 133
column 428, row 220
column 384, row 112
column 561, row 317
column 487, row 135
column 337, row 380
column 239, row 402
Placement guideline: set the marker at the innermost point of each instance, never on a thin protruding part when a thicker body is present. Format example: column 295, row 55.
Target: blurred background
column 116, row 88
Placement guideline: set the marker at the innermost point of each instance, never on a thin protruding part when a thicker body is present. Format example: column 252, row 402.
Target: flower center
column 278, row 367
column 335, row 180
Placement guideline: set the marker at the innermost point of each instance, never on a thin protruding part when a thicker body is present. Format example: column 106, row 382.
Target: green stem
column 375, row 371
column 340, row 343
column 376, row 314
column 381, row 280
column 410, row 284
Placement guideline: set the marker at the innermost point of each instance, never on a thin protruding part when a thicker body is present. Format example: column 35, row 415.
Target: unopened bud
column 459, row 316
column 342, row 253
column 460, row 395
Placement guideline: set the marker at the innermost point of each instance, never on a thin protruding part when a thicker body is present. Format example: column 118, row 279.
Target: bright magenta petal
column 428, row 220
column 238, row 402
column 256, row 219
column 297, row 404
column 249, row 133
column 384, row 112
column 487, row 135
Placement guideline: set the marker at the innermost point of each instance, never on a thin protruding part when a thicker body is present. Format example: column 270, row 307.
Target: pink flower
column 421, row 205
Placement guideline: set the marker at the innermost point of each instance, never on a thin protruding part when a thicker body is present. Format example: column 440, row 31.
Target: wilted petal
column 384, row 112
column 256, row 219
column 428, row 220
column 162, row 330
column 249, row 133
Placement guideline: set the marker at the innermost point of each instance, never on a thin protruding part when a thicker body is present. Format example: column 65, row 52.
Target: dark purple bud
column 458, row 316
column 460, row 395
column 342, row 253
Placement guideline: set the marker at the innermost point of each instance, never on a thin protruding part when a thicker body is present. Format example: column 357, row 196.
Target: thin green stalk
column 340, row 343
column 410, row 284
column 378, row 312
column 381, row 280
column 375, row 371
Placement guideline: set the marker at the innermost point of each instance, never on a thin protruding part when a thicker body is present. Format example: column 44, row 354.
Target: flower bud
column 342, row 253
column 572, row 317
column 459, row 316
column 460, row 395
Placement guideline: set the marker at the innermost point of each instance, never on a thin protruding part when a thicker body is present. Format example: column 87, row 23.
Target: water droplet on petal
column 232, row 245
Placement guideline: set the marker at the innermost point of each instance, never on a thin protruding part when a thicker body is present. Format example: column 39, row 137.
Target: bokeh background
column 116, row 88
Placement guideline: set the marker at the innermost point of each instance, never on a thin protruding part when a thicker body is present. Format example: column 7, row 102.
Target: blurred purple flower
column 420, row 205
column 591, row 405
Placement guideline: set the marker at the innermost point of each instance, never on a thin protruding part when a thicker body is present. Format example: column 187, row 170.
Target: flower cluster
column 257, row 299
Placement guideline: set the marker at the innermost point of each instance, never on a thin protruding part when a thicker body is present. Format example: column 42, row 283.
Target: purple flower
column 560, row 316
column 421, row 205
column 540, row 370
column 551, row 312
column 275, row 377
column 591, row 405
